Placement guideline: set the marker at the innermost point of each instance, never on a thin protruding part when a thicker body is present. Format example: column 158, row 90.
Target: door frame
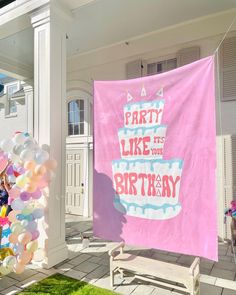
column 82, row 90
column 74, row 209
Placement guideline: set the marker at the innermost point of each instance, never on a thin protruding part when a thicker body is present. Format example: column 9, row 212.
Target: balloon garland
column 25, row 171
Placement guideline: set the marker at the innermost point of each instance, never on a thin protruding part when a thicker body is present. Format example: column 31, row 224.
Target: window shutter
column 188, row 55
column 228, row 69
column 7, row 106
column 134, row 69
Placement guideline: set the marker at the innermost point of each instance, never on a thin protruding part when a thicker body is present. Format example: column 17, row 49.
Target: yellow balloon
column 21, row 181
column 3, row 211
column 16, row 228
column 32, row 246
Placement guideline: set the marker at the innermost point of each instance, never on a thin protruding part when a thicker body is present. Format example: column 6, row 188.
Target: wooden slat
column 152, row 267
column 161, row 283
column 228, row 69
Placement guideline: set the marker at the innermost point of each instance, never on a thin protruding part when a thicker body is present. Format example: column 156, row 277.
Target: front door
column 74, row 182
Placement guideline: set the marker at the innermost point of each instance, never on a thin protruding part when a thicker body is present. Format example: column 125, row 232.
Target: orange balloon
column 24, row 238
column 35, row 178
column 30, row 187
column 51, row 164
column 18, row 268
column 12, row 215
column 29, row 165
column 33, row 181
column 40, row 170
column 13, row 238
column 25, row 257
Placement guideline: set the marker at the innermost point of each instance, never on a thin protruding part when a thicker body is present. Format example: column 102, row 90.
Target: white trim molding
column 49, row 105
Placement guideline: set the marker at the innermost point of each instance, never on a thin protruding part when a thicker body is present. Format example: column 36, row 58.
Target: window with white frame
column 76, row 117
column 161, row 66
column 11, row 107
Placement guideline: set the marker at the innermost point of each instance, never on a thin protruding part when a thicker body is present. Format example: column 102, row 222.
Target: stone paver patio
column 92, row 265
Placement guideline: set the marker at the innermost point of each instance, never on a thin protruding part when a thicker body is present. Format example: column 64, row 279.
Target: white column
column 29, row 101
column 86, row 180
column 50, row 120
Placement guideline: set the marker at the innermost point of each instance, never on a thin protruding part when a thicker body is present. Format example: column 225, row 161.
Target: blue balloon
column 32, row 226
column 20, row 217
column 29, row 217
column 38, row 213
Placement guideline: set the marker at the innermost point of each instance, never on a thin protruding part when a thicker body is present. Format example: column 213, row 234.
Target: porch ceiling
column 101, row 23
column 105, row 22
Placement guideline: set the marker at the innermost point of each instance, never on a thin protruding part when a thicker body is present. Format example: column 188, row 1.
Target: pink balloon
column 35, row 235
column 25, row 196
column 10, row 200
column 37, row 194
column 14, row 193
column 42, row 184
column 3, row 163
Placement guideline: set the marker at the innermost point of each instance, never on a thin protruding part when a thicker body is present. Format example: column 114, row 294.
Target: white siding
column 9, row 125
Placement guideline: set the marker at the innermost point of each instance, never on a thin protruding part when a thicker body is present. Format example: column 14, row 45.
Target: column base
column 56, row 255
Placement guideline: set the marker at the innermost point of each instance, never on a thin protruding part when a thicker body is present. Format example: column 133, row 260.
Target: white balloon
column 4, row 270
column 12, row 178
column 27, row 155
column 41, row 157
column 7, row 145
column 29, row 144
column 17, row 149
column 9, row 262
column 14, row 158
column 18, row 204
column 24, row 223
column 19, row 138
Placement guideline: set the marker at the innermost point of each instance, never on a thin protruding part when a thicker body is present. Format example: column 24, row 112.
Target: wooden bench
column 155, row 271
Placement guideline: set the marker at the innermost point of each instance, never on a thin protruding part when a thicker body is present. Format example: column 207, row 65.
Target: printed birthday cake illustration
column 146, row 185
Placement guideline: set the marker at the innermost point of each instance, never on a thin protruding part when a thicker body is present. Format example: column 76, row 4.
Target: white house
column 13, row 107
column 65, row 45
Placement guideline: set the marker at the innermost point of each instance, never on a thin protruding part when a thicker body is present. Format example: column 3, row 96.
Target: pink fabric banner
column 155, row 160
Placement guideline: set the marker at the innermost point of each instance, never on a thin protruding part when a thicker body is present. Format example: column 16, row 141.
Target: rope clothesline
column 225, row 35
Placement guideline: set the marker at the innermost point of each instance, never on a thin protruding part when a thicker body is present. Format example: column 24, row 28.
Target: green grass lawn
column 62, row 285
